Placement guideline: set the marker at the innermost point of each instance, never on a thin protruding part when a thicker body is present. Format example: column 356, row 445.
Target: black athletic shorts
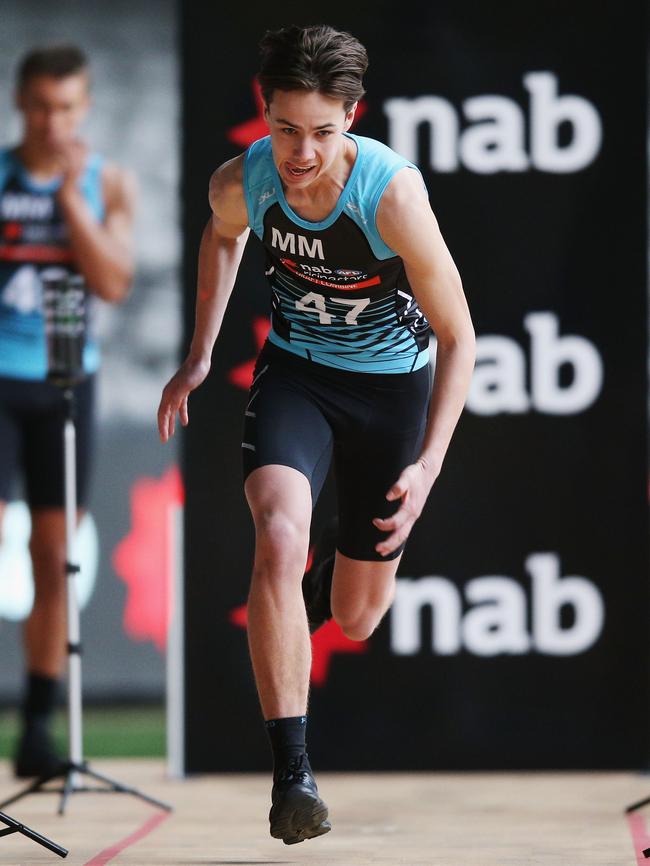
column 31, row 440
column 301, row 414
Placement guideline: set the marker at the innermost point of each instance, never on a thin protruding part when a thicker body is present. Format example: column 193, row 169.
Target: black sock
column 287, row 738
column 40, row 697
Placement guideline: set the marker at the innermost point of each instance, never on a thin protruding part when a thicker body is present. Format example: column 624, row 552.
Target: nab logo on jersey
column 287, row 244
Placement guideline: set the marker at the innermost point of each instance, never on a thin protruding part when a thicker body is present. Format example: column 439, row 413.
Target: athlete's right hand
column 175, row 393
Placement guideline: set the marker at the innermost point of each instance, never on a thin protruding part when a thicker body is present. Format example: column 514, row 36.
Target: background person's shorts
column 31, row 440
column 303, row 414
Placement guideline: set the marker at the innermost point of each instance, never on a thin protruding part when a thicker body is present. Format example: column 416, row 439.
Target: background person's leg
column 43, row 420
column 44, row 638
column 10, row 444
column 45, row 628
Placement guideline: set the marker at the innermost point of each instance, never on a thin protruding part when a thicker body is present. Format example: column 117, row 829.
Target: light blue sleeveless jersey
column 340, row 295
column 33, row 237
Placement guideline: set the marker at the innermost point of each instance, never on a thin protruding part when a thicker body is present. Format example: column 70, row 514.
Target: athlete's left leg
column 369, row 458
column 362, row 592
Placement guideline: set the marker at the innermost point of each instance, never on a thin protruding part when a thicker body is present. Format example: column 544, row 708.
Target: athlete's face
column 306, row 134
column 53, row 109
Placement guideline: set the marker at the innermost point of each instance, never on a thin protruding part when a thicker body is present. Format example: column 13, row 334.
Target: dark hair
column 55, row 60
column 315, row 58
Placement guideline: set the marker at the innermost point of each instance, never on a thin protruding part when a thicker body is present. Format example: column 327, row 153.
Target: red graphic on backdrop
column 246, row 133
column 329, row 639
column 144, row 559
column 242, row 375
column 249, row 131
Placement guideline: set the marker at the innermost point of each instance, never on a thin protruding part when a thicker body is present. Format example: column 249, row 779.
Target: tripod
column 16, row 827
column 65, row 324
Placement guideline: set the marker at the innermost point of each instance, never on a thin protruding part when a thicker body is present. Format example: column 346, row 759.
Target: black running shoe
column 297, row 813
column 317, row 582
column 36, row 755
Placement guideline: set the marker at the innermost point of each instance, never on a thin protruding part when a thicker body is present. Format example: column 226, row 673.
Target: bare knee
column 360, row 628
column 281, row 544
column 48, row 562
column 358, row 615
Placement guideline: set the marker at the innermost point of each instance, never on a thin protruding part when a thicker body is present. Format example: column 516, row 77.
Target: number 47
column 357, row 305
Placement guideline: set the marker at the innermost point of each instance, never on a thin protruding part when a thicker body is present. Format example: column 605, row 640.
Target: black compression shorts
column 31, row 440
column 301, row 414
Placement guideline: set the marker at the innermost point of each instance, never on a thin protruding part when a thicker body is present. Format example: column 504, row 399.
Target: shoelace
column 294, row 770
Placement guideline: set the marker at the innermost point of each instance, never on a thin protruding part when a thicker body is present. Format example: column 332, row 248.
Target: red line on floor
column 108, row 853
column 640, row 837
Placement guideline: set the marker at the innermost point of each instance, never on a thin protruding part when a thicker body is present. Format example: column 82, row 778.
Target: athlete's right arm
column 220, row 253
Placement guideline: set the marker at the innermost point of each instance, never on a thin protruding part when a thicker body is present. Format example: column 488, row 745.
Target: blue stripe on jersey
column 379, row 342
column 354, row 363
column 22, row 328
column 91, row 186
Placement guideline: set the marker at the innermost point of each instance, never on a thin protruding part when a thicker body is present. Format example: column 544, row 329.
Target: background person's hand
column 412, row 487
column 72, row 157
column 175, row 393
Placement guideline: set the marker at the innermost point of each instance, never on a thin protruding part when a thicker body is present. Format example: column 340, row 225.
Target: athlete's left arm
column 406, row 223
column 103, row 251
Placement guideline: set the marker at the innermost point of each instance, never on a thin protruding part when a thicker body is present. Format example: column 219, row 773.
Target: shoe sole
column 304, row 818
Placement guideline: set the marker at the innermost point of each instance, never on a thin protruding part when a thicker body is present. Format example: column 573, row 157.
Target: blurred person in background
column 61, row 206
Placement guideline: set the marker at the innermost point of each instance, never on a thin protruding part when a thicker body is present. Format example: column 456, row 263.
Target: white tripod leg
column 75, row 732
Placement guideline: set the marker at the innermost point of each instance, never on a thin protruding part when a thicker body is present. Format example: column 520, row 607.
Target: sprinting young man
column 358, row 272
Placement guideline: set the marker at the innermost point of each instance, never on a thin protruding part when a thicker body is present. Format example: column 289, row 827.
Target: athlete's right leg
column 286, row 450
column 280, row 501
column 279, row 498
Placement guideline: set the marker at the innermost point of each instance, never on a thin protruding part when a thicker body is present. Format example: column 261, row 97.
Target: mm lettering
column 287, row 244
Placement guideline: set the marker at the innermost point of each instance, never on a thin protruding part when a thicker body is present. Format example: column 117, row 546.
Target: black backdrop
column 518, row 637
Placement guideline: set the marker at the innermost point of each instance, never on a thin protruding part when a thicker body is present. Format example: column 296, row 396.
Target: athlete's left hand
column 412, row 487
